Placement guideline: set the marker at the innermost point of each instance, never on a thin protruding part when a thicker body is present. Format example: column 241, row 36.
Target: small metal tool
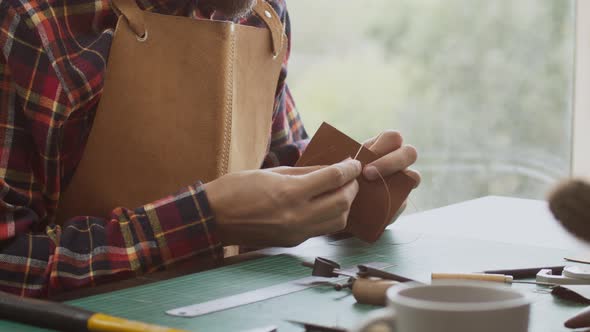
column 486, row 277
column 323, row 267
column 367, row 271
column 571, row 275
column 261, row 294
column 270, row 328
column 526, row 272
column 316, row 328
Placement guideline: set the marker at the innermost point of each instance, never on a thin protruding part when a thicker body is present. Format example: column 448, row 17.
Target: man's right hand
column 283, row 206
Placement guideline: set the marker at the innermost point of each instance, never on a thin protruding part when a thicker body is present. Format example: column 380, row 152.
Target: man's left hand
column 394, row 156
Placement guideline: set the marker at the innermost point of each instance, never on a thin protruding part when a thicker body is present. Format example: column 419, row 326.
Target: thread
column 389, row 205
column 386, row 221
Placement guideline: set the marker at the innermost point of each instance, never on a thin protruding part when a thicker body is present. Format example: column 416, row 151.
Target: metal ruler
column 260, row 294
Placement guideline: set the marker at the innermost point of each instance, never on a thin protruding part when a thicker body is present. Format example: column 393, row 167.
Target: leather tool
column 323, row 267
column 525, row 273
column 571, row 275
column 486, row 277
column 261, row 294
column 368, row 286
column 368, row 271
column 371, row 291
column 316, row 327
column 61, row 317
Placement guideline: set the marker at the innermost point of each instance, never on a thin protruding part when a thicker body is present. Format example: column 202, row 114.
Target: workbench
column 483, row 234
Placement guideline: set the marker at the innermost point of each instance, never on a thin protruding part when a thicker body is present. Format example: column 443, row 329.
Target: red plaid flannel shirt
column 52, row 65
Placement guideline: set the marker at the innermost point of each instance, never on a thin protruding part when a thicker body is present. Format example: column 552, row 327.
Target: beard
column 230, row 8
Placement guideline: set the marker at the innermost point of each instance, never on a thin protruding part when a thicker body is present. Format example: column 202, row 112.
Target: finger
column 330, row 178
column 386, row 142
column 333, row 204
column 391, row 163
column 285, row 170
column 331, row 226
column 414, row 175
column 333, row 209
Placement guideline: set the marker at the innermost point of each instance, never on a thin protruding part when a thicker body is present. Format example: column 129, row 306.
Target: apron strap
column 133, row 14
column 263, row 9
column 272, row 20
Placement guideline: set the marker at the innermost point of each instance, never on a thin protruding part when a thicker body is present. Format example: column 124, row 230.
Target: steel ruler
column 260, row 294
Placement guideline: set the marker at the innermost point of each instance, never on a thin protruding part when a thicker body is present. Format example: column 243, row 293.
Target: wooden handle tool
column 61, row 317
column 473, row 276
column 504, row 278
column 371, row 291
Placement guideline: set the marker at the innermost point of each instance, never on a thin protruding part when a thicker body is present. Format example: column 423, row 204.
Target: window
column 482, row 88
column 581, row 157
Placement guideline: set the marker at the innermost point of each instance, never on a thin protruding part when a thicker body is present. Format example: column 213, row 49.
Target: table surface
column 487, row 233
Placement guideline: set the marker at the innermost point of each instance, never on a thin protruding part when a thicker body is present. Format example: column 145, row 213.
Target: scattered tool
column 571, row 275
column 61, row 317
column 486, row 277
column 262, row 294
column 526, row 272
column 323, row 267
column 369, row 285
column 367, row 271
column 270, row 328
column 309, row 327
column 371, row 291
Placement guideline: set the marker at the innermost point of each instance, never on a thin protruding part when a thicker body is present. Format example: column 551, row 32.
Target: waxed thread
column 375, row 142
column 389, row 205
column 386, row 221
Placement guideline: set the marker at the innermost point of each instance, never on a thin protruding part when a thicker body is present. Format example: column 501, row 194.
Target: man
column 52, row 68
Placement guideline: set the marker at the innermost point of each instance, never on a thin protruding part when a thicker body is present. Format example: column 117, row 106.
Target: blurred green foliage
column 482, row 88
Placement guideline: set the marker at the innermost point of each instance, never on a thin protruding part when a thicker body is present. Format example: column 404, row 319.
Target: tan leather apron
column 184, row 100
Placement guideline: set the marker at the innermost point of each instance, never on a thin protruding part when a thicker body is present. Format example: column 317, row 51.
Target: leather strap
column 134, row 15
column 272, row 20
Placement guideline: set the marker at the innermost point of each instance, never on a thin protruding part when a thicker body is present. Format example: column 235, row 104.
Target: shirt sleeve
column 289, row 138
column 39, row 258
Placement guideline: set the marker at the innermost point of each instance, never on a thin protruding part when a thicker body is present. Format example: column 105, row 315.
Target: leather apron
column 184, row 100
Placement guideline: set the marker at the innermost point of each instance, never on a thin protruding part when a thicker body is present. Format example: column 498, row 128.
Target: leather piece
column 134, row 15
column 169, row 112
column 251, row 128
column 373, row 209
column 267, row 14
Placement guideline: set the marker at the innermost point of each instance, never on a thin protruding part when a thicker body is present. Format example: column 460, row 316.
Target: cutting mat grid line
column 323, row 305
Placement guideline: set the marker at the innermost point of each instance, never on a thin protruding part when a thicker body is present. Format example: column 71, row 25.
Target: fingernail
column 371, row 173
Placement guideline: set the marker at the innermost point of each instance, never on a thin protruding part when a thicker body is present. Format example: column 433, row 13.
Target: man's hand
column 394, row 156
column 283, row 206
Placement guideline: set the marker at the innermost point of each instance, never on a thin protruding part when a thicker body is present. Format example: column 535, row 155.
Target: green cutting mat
column 414, row 256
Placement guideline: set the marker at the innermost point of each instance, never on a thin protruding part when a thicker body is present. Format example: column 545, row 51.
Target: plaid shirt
column 52, row 66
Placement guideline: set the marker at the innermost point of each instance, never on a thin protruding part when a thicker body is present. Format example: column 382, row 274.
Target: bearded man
column 52, row 69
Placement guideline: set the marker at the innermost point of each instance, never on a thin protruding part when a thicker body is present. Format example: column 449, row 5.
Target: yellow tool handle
column 105, row 323
column 473, row 276
column 62, row 317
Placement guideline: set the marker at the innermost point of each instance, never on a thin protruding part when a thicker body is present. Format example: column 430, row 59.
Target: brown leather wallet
column 374, row 208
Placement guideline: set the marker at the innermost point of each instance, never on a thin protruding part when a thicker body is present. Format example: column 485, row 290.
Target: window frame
column 581, row 98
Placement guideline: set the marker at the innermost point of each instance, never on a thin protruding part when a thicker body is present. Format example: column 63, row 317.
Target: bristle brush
column 570, row 204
